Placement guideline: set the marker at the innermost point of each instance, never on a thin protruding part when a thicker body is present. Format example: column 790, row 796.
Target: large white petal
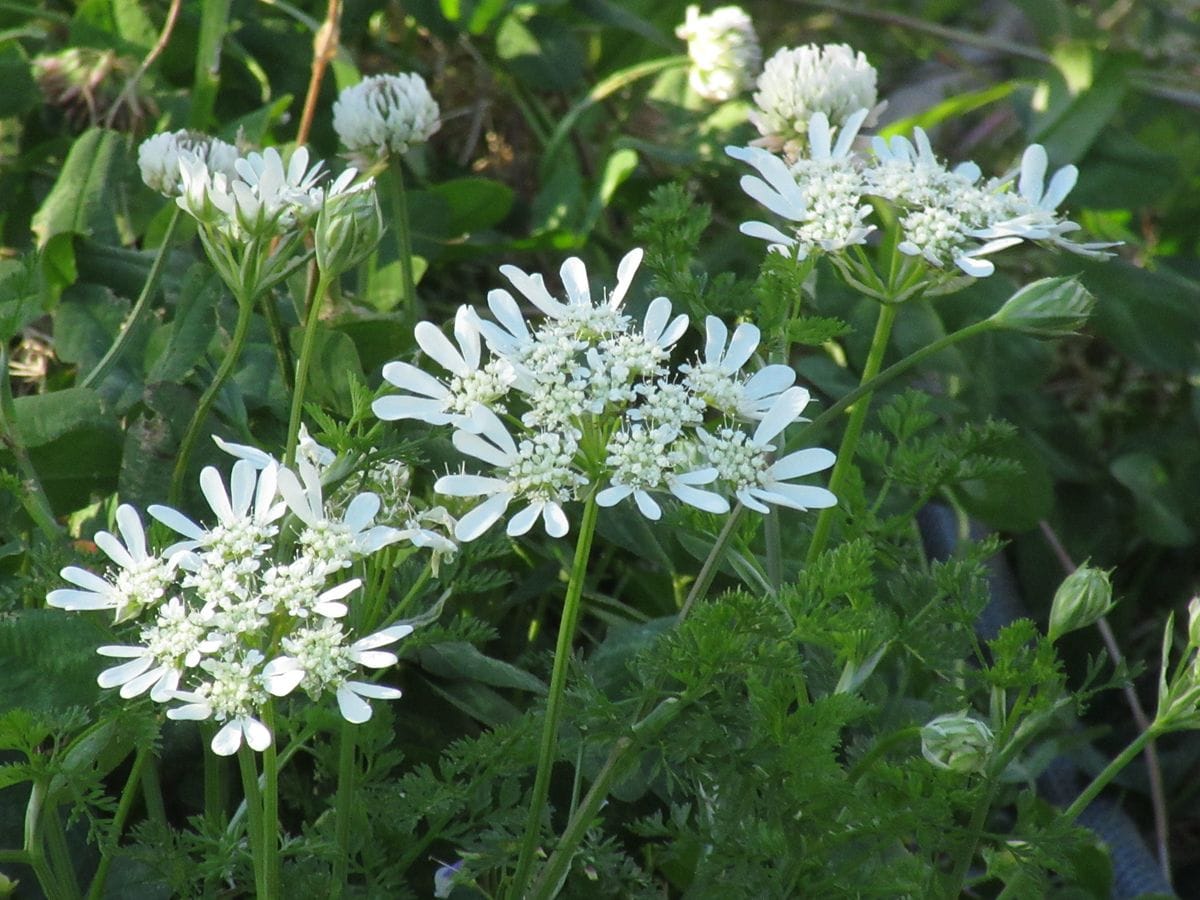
column 129, row 523
column 555, row 520
column 819, row 136
column 258, row 736
column 1060, row 185
column 135, row 687
column 521, row 522
column 110, row 678
column 715, row 334
column 1033, row 173
column 574, row 277
column 741, row 346
column 477, row 446
column 241, row 486
column 802, row 462
column 705, row 500
column 114, row 549
column 213, row 489
column 176, row 521
column 789, row 207
column 361, row 511
column 802, row 496
column 769, row 380
column 481, row 518
column 297, row 498
column 410, row 378
column 66, row 598
column 438, row 348
column 399, row 407
column 626, row 269
column 466, row 332
column 469, row 485
column 533, row 288
column 611, row 496
column 783, row 412
column 375, row 691
column 375, row 659
column 354, row 708
column 765, row 232
column 848, row 133
column 649, row 508
column 85, row 579
column 657, row 314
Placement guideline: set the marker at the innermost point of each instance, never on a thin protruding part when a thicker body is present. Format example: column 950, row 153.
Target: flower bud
column 1084, row 596
column 957, row 742
column 349, row 225
column 1049, row 308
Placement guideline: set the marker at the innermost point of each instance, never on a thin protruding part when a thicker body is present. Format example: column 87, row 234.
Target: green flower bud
column 1084, row 596
column 1049, row 308
column 956, row 742
column 348, row 228
column 8, row 886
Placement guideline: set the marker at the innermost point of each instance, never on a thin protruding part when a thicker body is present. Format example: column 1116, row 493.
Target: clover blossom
column 159, row 156
column 594, row 408
column 383, row 115
column 723, row 49
column 799, row 82
column 241, row 602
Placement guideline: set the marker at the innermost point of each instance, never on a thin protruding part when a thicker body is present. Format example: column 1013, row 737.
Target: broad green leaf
column 85, row 199
column 191, row 330
column 462, row 661
column 20, row 93
column 86, row 323
column 1072, row 122
column 43, row 418
column 475, row 203
column 541, row 52
column 48, row 660
column 1159, row 517
column 124, row 271
column 477, row 700
column 958, row 105
column 20, row 297
column 379, row 339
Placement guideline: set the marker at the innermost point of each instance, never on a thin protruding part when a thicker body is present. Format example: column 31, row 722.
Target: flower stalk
column 558, row 680
column 312, row 318
column 399, row 199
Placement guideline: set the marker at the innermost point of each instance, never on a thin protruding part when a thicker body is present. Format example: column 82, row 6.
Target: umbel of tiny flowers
column 723, row 49
column 240, row 611
column 948, row 218
column 384, row 115
column 798, row 82
column 585, row 403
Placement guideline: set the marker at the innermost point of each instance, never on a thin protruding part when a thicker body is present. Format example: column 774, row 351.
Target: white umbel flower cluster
column 586, row 400
column 226, row 618
column 384, row 115
column 949, row 217
column 159, row 155
column 799, row 82
column 723, row 49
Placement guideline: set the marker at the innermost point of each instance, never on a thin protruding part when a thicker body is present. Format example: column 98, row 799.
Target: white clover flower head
column 140, row 581
column 159, row 158
column 319, row 660
column 384, row 115
column 723, row 49
column 798, row 82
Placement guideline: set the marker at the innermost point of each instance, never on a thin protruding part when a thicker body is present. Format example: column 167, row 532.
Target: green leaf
column 84, row 199
column 20, row 93
column 48, row 660
column 20, row 296
column 190, row 332
column 1012, row 502
column 478, row 701
column 1073, row 120
column 475, row 203
column 43, row 418
column 542, row 52
column 462, row 661
column 1158, row 517
column 378, row 339
column 333, row 369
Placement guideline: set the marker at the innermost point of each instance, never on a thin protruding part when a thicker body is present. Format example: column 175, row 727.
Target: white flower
column 723, row 49
column 203, row 193
column 267, row 198
column 640, row 462
column 798, row 82
column 579, row 315
column 233, row 695
column 619, row 360
column 177, row 640
column 821, row 192
column 1032, row 212
column 470, row 385
column 941, row 236
column 318, row 660
column 384, row 114
column 159, row 155
column 295, row 588
column 717, row 378
column 744, row 462
column 539, row 470
column 242, row 531
column 141, row 581
column 332, row 541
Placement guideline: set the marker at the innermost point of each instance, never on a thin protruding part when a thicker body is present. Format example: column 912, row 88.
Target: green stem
column 858, row 418
column 708, row 571
column 56, row 841
column 408, row 287
column 278, row 336
column 129, row 330
column 33, row 497
column 152, row 794
column 270, row 807
column 312, row 317
column 558, row 680
column 1128, row 755
column 402, row 606
column 894, row 371
column 232, row 355
column 34, row 845
column 254, row 815
column 343, row 809
column 108, row 848
column 214, row 793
